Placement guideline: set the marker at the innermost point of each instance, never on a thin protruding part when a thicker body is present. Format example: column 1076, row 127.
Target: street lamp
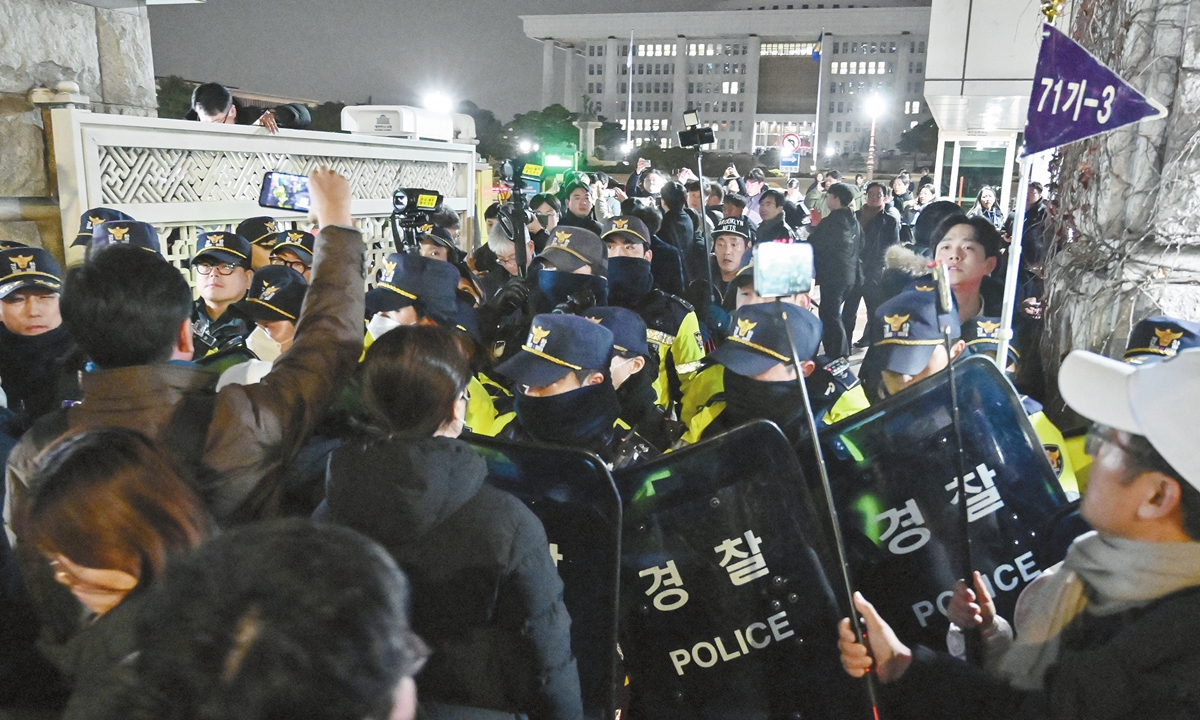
column 439, row 103
column 874, row 109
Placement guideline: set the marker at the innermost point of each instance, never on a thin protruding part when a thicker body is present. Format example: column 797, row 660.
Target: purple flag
column 1075, row 96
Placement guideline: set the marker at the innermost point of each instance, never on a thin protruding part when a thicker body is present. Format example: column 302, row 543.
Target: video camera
column 411, row 208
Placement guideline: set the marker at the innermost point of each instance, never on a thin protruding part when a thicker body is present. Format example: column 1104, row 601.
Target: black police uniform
column 221, row 342
column 585, row 418
column 37, row 372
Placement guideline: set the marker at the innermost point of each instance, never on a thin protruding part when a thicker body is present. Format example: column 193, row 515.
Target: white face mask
column 380, row 324
column 263, row 345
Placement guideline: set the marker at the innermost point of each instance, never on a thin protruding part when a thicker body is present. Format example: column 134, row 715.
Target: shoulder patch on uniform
column 676, row 299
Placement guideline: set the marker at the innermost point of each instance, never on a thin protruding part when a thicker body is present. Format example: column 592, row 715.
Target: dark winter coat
column 677, row 229
column 1143, row 664
column 835, row 244
column 777, row 228
column 878, row 234
column 570, row 219
column 486, row 596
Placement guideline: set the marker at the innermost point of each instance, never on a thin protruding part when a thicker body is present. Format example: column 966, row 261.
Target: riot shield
column 573, row 495
column 726, row 611
column 894, row 472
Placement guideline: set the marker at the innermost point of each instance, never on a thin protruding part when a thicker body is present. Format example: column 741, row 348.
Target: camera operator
column 547, row 211
column 213, row 103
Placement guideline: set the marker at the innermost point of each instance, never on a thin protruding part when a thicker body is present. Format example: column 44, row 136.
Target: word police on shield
column 1075, row 96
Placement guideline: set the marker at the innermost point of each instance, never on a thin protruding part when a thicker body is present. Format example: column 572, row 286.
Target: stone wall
column 44, row 42
column 1128, row 239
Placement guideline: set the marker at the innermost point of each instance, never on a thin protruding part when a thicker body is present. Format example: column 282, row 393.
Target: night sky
column 392, row 50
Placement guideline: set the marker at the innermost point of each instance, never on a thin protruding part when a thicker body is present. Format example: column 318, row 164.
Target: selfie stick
column 945, row 304
column 856, row 623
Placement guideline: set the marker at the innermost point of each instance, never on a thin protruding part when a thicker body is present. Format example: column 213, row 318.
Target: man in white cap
column 1114, row 630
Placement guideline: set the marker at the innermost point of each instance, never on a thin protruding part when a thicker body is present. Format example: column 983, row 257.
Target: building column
column 750, row 97
column 570, row 101
column 612, row 80
column 679, row 96
column 547, row 72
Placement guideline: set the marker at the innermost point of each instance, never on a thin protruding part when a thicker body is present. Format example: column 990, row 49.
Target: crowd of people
column 155, row 440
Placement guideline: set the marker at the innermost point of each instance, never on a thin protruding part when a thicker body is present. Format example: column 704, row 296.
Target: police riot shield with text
column 894, row 471
column 726, row 609
column 572, row 493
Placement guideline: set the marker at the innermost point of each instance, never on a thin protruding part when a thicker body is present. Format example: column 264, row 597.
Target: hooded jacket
column 485, row 594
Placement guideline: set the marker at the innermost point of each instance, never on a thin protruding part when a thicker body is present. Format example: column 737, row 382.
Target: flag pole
column 816, row 143
column 629, row 95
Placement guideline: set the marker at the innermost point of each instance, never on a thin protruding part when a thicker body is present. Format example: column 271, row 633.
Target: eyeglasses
column 296, row 265
column 1098, row 434
column 224, row 269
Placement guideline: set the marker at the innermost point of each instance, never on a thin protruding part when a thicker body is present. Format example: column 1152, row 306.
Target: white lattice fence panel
column 132, row 175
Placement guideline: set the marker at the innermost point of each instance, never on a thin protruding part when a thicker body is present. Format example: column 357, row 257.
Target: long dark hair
column 412, row 376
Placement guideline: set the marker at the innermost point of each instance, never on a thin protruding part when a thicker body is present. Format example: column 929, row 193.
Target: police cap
column 910, row 328
column 124, row 232
column 223, row 247
column 28, row 267
column 410, row 279
column 1159, row 337
column 277, row 293
column 571, row 248
column 758, row 338
column 557, row 345
column 628, row 329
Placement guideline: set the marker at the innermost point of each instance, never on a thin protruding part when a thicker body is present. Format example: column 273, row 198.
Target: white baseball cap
column 1159, row 401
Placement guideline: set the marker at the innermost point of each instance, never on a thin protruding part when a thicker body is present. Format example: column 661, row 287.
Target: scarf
column 581, row 419
column 629, row 281
column 1100, row 575
column 747, row 399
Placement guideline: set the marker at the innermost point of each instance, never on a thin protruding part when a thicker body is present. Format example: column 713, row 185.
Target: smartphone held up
column 783, row 269
column 285, row 192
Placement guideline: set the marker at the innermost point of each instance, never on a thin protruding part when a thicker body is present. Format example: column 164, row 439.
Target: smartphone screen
column 285, row 192
column 783, row 269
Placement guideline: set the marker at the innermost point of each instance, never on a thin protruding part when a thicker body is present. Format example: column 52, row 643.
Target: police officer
column 832, row 384
column 1160, row 337
column 564, row 395
column 294, row 248
column 758, row 376
column 93, row 217
column 273, row 304
column 417, row 290
column 123, row 232
column 634, row 371
column 262, row 232
column 672, row 327
column 981, row 335
column 911, row 345
column 37, row 354
column 220, row 324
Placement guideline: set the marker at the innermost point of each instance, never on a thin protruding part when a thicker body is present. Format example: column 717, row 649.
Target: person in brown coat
column 130, row 311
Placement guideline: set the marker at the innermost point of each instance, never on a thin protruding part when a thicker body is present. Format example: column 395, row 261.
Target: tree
column 488, row 130
column 551, row 126
column 174, row 97
column 920, row 140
